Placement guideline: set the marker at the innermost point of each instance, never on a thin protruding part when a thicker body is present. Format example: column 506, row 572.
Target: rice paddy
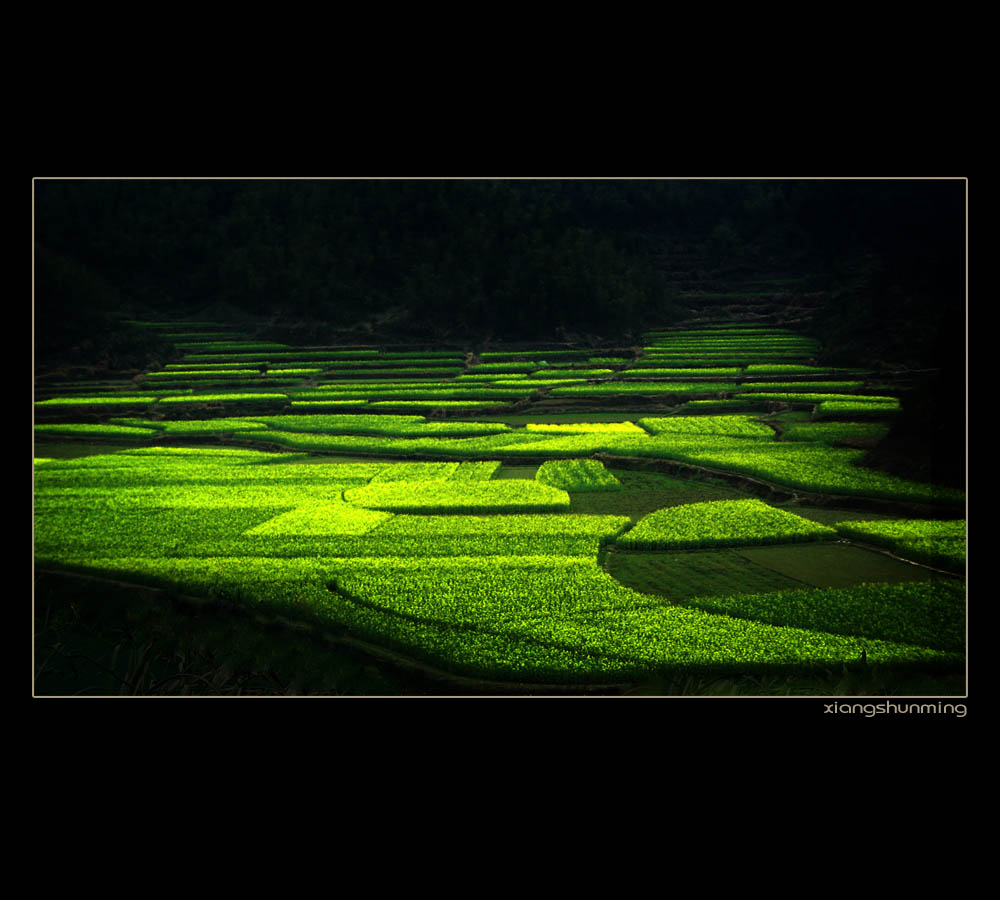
column 555, row 516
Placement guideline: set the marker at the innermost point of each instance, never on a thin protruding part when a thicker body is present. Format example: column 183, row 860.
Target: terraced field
column 557, row 517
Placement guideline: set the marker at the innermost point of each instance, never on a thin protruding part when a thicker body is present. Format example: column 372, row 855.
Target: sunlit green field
column 513, row 545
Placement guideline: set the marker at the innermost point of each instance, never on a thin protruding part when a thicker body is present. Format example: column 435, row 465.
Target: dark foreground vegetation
column 99, row 638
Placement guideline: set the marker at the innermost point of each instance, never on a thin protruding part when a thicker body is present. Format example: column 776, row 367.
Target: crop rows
column 723, row 523
column 531, row 384
column 112, row 399
column 648, row 370
column 816, row 468
column 662, row 387
column 283, row 355
column 98, row 431
column 394, row 372
column 229, row 374
column 515, row 355
column 857, row 407
column 831, row 432
column 438, row 404
column 575, row 373
column 732, row 426
column 936, row 543
column 227, row 398
column 381, row 424
column 326, row 404
column 544, row 619
column 490, row 377
column 438, row 558
column 719, row 357
column 233, row 346
column 577, row 475
column 886, row 404
column 467, row 591
column 928, row 614
column 482, row 368
column 458, row 497
column 430, row 392
column 791, row 369
column 728, row 443
column 801, row 386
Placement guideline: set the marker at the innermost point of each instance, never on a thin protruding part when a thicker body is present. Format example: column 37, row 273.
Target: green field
column 488, row 537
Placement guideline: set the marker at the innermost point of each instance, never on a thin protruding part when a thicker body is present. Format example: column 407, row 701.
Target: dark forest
column 520, row 259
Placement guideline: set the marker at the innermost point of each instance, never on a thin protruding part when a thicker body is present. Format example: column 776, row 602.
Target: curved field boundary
column 772, row 491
